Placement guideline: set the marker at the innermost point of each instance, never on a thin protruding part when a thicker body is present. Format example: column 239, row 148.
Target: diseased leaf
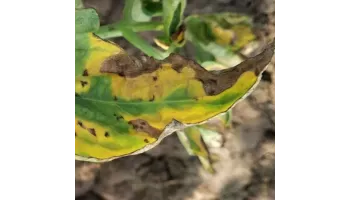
column 192, row 140
column 126, row 105
column 221, row 35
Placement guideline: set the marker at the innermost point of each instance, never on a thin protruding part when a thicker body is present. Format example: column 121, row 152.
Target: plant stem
column 114, row 30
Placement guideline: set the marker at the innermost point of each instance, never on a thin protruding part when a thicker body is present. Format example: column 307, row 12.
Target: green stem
column 141, row 44
column 114, row 30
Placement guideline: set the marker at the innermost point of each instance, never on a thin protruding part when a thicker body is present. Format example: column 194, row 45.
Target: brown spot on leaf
column 92, row 131
column 81, row 124
column 146, row 141
column 142, row 125
column 85, row 73
column 152, row 99
column 214, row 82
column 118, row 117
column 129, row 66
column 155, row 78
column 83, row 83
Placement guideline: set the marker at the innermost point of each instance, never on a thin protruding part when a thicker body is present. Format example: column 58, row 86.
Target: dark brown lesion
column 83, row 83
column 92, row 131
column 81, row 124
column 214, row 82
column 106, row 134
column 129, row 66
column 143, row 126
column 118, row 117
column 85, row 73
column 152, row 99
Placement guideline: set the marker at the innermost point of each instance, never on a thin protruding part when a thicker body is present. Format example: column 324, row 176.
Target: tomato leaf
column 222, row 35
column 126, row 105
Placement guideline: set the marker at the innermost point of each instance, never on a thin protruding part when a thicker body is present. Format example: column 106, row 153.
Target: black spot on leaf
column 106, row 134
column 119, row 117
column 83, row 83
column 81, row 124
column 85, row 73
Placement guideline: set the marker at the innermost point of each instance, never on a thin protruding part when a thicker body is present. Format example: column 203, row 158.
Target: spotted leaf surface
column 126, row 105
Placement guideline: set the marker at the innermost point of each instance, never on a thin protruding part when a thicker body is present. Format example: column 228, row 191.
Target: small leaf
column 79, row 4
column 221, row 35
column 192, row 140
column 86, row 20
column 211, row 138
column 173, row 15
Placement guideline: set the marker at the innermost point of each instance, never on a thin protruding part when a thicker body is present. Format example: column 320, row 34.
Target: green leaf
column 86, row 20
column 173, row 15
column 79, row 4
column 134, row 12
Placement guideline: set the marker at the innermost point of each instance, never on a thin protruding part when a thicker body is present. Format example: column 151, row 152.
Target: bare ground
column 245, row 169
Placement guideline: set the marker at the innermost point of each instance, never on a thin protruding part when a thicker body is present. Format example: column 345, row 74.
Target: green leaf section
column 79, row 4
column 134, row 12
column 152, row 7
column 86, row 21
column 173, row 15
